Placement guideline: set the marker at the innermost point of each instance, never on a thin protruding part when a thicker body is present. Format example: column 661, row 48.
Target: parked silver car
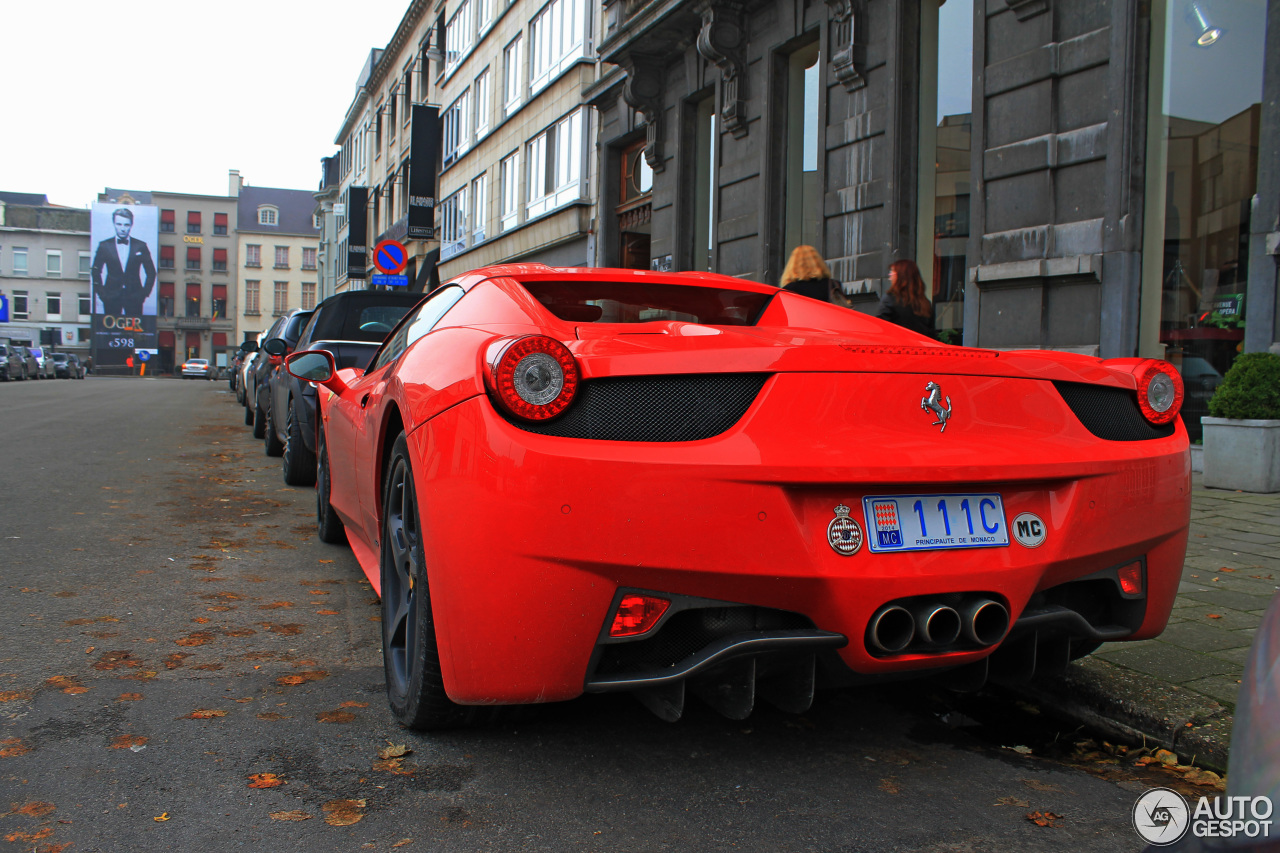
column 45, row 368
column 12, row 363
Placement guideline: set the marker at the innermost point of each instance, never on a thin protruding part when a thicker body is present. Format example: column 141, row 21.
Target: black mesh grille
column 688, row 632
column 654, row 408
column 1110, row 413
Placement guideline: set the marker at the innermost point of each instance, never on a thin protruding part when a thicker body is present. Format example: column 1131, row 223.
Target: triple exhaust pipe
column 929, row 625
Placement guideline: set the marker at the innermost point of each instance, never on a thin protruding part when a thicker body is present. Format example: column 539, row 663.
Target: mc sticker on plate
column 1029, row 530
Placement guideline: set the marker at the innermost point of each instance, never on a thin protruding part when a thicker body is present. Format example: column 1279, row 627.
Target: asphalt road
column 185, row 666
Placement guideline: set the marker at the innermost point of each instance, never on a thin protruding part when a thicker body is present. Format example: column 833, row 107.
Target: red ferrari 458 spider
column 585, row 480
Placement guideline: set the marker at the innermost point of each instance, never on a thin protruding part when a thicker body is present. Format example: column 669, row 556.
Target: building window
column 19, row 261
column 702, row 167
column 251, row 297
column 219, row 260
column 509, row 189
column 220, row 223
column 484, row 14
column 53, row 306
column 317, row 221
column 407, row 85
column 219, row 302
column 193, row 222
column 556, row 38
column 53, row 263
column 454, row 129
column 86, row 305
column 308, row 259
column 165, row 307
column 512, row 77
column 481, row 90
column 167, row 219
column 803, row 199
column 267, row 215
column 393, row 100
column 282, row 257
column 458, row 36
column 253, row 256
column 193, row 257
column 281, row 303
column 452, row 217
column 193, row 300
column 20, row 308
column 555, row 165
column 84, row 264
column 166, row 257
column 479, row 199
column 308, row 295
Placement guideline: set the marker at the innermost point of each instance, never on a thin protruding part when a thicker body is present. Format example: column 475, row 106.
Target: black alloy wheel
column 415, row 686
column 299, row 462
column 328, row 525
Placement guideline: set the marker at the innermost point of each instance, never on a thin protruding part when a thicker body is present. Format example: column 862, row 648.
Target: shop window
column 1202, row 167
column 946, row 125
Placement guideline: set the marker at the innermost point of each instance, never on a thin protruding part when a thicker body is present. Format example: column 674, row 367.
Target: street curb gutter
column 1133, row 708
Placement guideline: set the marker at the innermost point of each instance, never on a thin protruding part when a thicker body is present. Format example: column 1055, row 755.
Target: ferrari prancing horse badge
column 843, row 533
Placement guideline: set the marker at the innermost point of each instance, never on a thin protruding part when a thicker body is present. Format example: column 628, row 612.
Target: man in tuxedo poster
column 130, row 274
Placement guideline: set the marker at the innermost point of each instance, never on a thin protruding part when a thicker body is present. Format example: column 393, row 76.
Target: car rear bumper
column 530, row 537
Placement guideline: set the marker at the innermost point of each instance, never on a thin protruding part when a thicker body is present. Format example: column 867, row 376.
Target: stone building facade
column 277, row 244
column 44, row 273
column 1098, row 176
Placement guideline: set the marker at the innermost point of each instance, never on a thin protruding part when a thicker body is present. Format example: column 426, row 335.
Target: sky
column 171, row 95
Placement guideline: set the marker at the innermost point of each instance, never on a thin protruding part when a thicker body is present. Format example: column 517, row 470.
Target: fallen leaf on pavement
column 889, row 786
column 161, row 818
column 343, row 812
column 265, row 780
column 128, row 741
column 29, row 836
column 402, row 842
column 291, row 815
column 354, row 705
column 1044, row 818
column 1215, row 615
column 204, row 714
column 12, row 747
column 393, row 750
column 326, row 561
column 302, row 677
column 1225, row 569
column 1012, row 801
column 35, row 808
column 272, row 716
column 335, row 716
column 326, row 612
column 14, row 695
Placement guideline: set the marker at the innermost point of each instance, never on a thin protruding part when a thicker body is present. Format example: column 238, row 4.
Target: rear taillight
column 1159, row 392
column 636, row 614
column 1130, row 577
column 534, row 378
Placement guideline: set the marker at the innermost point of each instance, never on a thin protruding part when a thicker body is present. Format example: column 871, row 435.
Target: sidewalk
column 1180, row 688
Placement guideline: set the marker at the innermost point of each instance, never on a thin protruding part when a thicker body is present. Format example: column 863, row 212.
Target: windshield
column 644, row 302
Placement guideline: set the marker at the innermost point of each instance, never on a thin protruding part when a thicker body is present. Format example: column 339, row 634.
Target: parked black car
column 351, row 326
column 67, row 366
column 287, row 328
column 11, row 364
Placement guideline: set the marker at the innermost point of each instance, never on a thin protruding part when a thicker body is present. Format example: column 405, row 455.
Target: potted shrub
column 1242, row 434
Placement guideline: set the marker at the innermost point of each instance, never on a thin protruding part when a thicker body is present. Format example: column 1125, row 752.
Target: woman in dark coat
column 905, row 303
column 807, row 274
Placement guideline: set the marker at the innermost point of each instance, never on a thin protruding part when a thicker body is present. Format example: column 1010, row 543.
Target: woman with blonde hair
column 905, row 303
column 807, row 274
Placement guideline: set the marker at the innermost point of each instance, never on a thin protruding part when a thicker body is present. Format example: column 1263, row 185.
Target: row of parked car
column 281, row 408
column 22, row 362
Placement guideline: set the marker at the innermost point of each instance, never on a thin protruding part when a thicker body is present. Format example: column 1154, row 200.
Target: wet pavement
column 184, row 665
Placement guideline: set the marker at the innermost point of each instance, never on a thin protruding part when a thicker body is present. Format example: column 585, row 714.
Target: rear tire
column 299, row 462
column 259, row 422
column 248, row 416
column 328, row 525
column 411, row 658
column 270, row 442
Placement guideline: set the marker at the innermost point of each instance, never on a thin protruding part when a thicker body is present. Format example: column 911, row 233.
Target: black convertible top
column 360, row 315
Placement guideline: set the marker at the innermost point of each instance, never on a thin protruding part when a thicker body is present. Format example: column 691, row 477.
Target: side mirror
column 276, row 346
column 249, row 346
column 315, row 366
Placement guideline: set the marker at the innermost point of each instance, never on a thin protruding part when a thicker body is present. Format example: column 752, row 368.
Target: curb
column 1134, row 709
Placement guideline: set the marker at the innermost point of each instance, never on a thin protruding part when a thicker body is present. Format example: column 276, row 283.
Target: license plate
column 934, row 522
